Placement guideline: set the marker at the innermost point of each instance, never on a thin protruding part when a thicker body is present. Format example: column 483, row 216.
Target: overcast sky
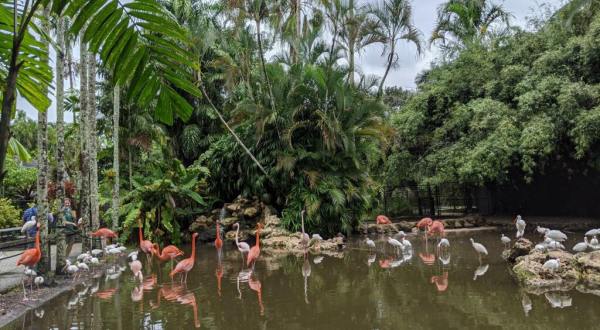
column 371, row 61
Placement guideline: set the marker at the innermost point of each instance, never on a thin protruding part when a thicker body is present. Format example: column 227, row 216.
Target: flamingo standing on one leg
column 255, row 250
column 185, row 265
column 424, row 224
column 383, row 220
column 31, row 257
column 437, row 227
column 243, row 247
column 169, row 252
column 145, row 245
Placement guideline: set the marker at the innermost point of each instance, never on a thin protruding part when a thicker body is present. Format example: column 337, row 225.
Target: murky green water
column 358, row 291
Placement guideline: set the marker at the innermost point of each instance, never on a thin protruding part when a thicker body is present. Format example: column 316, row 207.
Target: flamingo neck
column 37, row 240
column 218, row 232
column 258, row 237
column 302, row 223
column 193, row 248
column 141, row 236
column 236, row 235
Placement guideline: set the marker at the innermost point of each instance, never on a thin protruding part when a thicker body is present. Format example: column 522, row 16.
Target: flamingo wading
column 185, row 265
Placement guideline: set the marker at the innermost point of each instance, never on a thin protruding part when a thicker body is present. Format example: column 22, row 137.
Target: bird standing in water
column 185, row 265
column 145, row 245
column 305, row 238
column 218, row 240
column 505, row 240
column 243, row 247
column 255, row 250
column 479, row 248
column 370, row 243
column 169, row 252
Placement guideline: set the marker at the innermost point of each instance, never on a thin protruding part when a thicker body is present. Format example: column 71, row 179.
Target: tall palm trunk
column 351, row 45
column 42, row 177
column 92, row 143
column 387, row 69
column 295, row 44
column 115, row 196
column 84, row 197
column 61, row 244
column 262, row 62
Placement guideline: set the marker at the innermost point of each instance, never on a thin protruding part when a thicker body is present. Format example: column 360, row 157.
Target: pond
column 360, row 290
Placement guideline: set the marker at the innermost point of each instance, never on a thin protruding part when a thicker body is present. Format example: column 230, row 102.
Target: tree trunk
column 10, row 89
column 387, row 69
column 42, row 177
column 61, row 243
column 262, row 62
column 84, row 197
column 294, row 46
column 92, row 143
column 351, row 45
column 115, row 196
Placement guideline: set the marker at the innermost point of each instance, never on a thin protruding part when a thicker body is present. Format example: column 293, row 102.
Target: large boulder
column 529, row 271
column 250, row 213
column 201, row 223
column 589, row 264
column 520, row 248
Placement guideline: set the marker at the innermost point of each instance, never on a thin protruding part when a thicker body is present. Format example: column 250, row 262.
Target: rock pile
column 407, row 226
column 274, row 238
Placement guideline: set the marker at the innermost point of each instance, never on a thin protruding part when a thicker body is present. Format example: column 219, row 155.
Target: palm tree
column 358, row 30
column 115, row 194
column 84, row 200
column 394, row 22
column 42, row 179
column 92, row 142
column 462, row 23
column 61, row 246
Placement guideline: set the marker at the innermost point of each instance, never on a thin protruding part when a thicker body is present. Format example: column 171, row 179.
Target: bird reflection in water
column 178, row 293
column 427, row 257
column 219, row 275
column 480, row 271
column 386, row 263
column 526, row 303
column 440, row 281
column 137, row 293
column 558, row 299
column 106, row 294
column 318, row 259
column 371, row 259
column 255, row 285
column 306, row 270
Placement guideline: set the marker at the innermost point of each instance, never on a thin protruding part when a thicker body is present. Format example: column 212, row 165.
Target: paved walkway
column 11, row 275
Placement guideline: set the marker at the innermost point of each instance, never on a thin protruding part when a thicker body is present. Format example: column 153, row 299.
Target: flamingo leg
column 24, row 290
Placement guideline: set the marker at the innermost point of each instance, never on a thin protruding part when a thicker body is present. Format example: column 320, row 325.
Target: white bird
column 97, row 252
column 71, row 269
column 479, row 248
column 592, row 232
column 505, row 240
column 39, row 313
column 520, row 224
column 406, row 244
column 122, row 248
column 317, row 237
column 318, row 259
column 395, row 243
column 444, row 243
column 38, row 281
column 112, row 246
column 555, row 245
column 113, row 251
column 29, row 224
column 594, row 241
column 243, row 247
column 552, row 265
column 370, row 243
column 83, row 267
column 94, row 261
column 480, row 271
column 581, row 246
column 133, row 255
column 83, row 256
column 400, row 235
column 556, row 235
column 542, row 230
column 30, row 272
column 540, row 247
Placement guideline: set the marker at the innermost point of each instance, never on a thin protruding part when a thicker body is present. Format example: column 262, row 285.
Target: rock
column 233, row 207
column 230, row 235
column 458, row 224
column 520, row 248
column 589, row 264
column 405, row 226
column 271, row 221
column 228, row 222
column 201, row 223
column 250, row 212
column 536, row 279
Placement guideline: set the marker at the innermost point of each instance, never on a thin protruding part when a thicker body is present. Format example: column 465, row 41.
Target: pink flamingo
column 185, row 265
column 169, row 252
column 218, row 240
column 424, row 223
column 383, row 220
column 145, row 245
column 255, row 250
column 436, row 228
column 31, row 257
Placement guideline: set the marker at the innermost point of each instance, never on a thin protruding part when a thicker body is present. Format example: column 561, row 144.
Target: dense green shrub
column 9, row 214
